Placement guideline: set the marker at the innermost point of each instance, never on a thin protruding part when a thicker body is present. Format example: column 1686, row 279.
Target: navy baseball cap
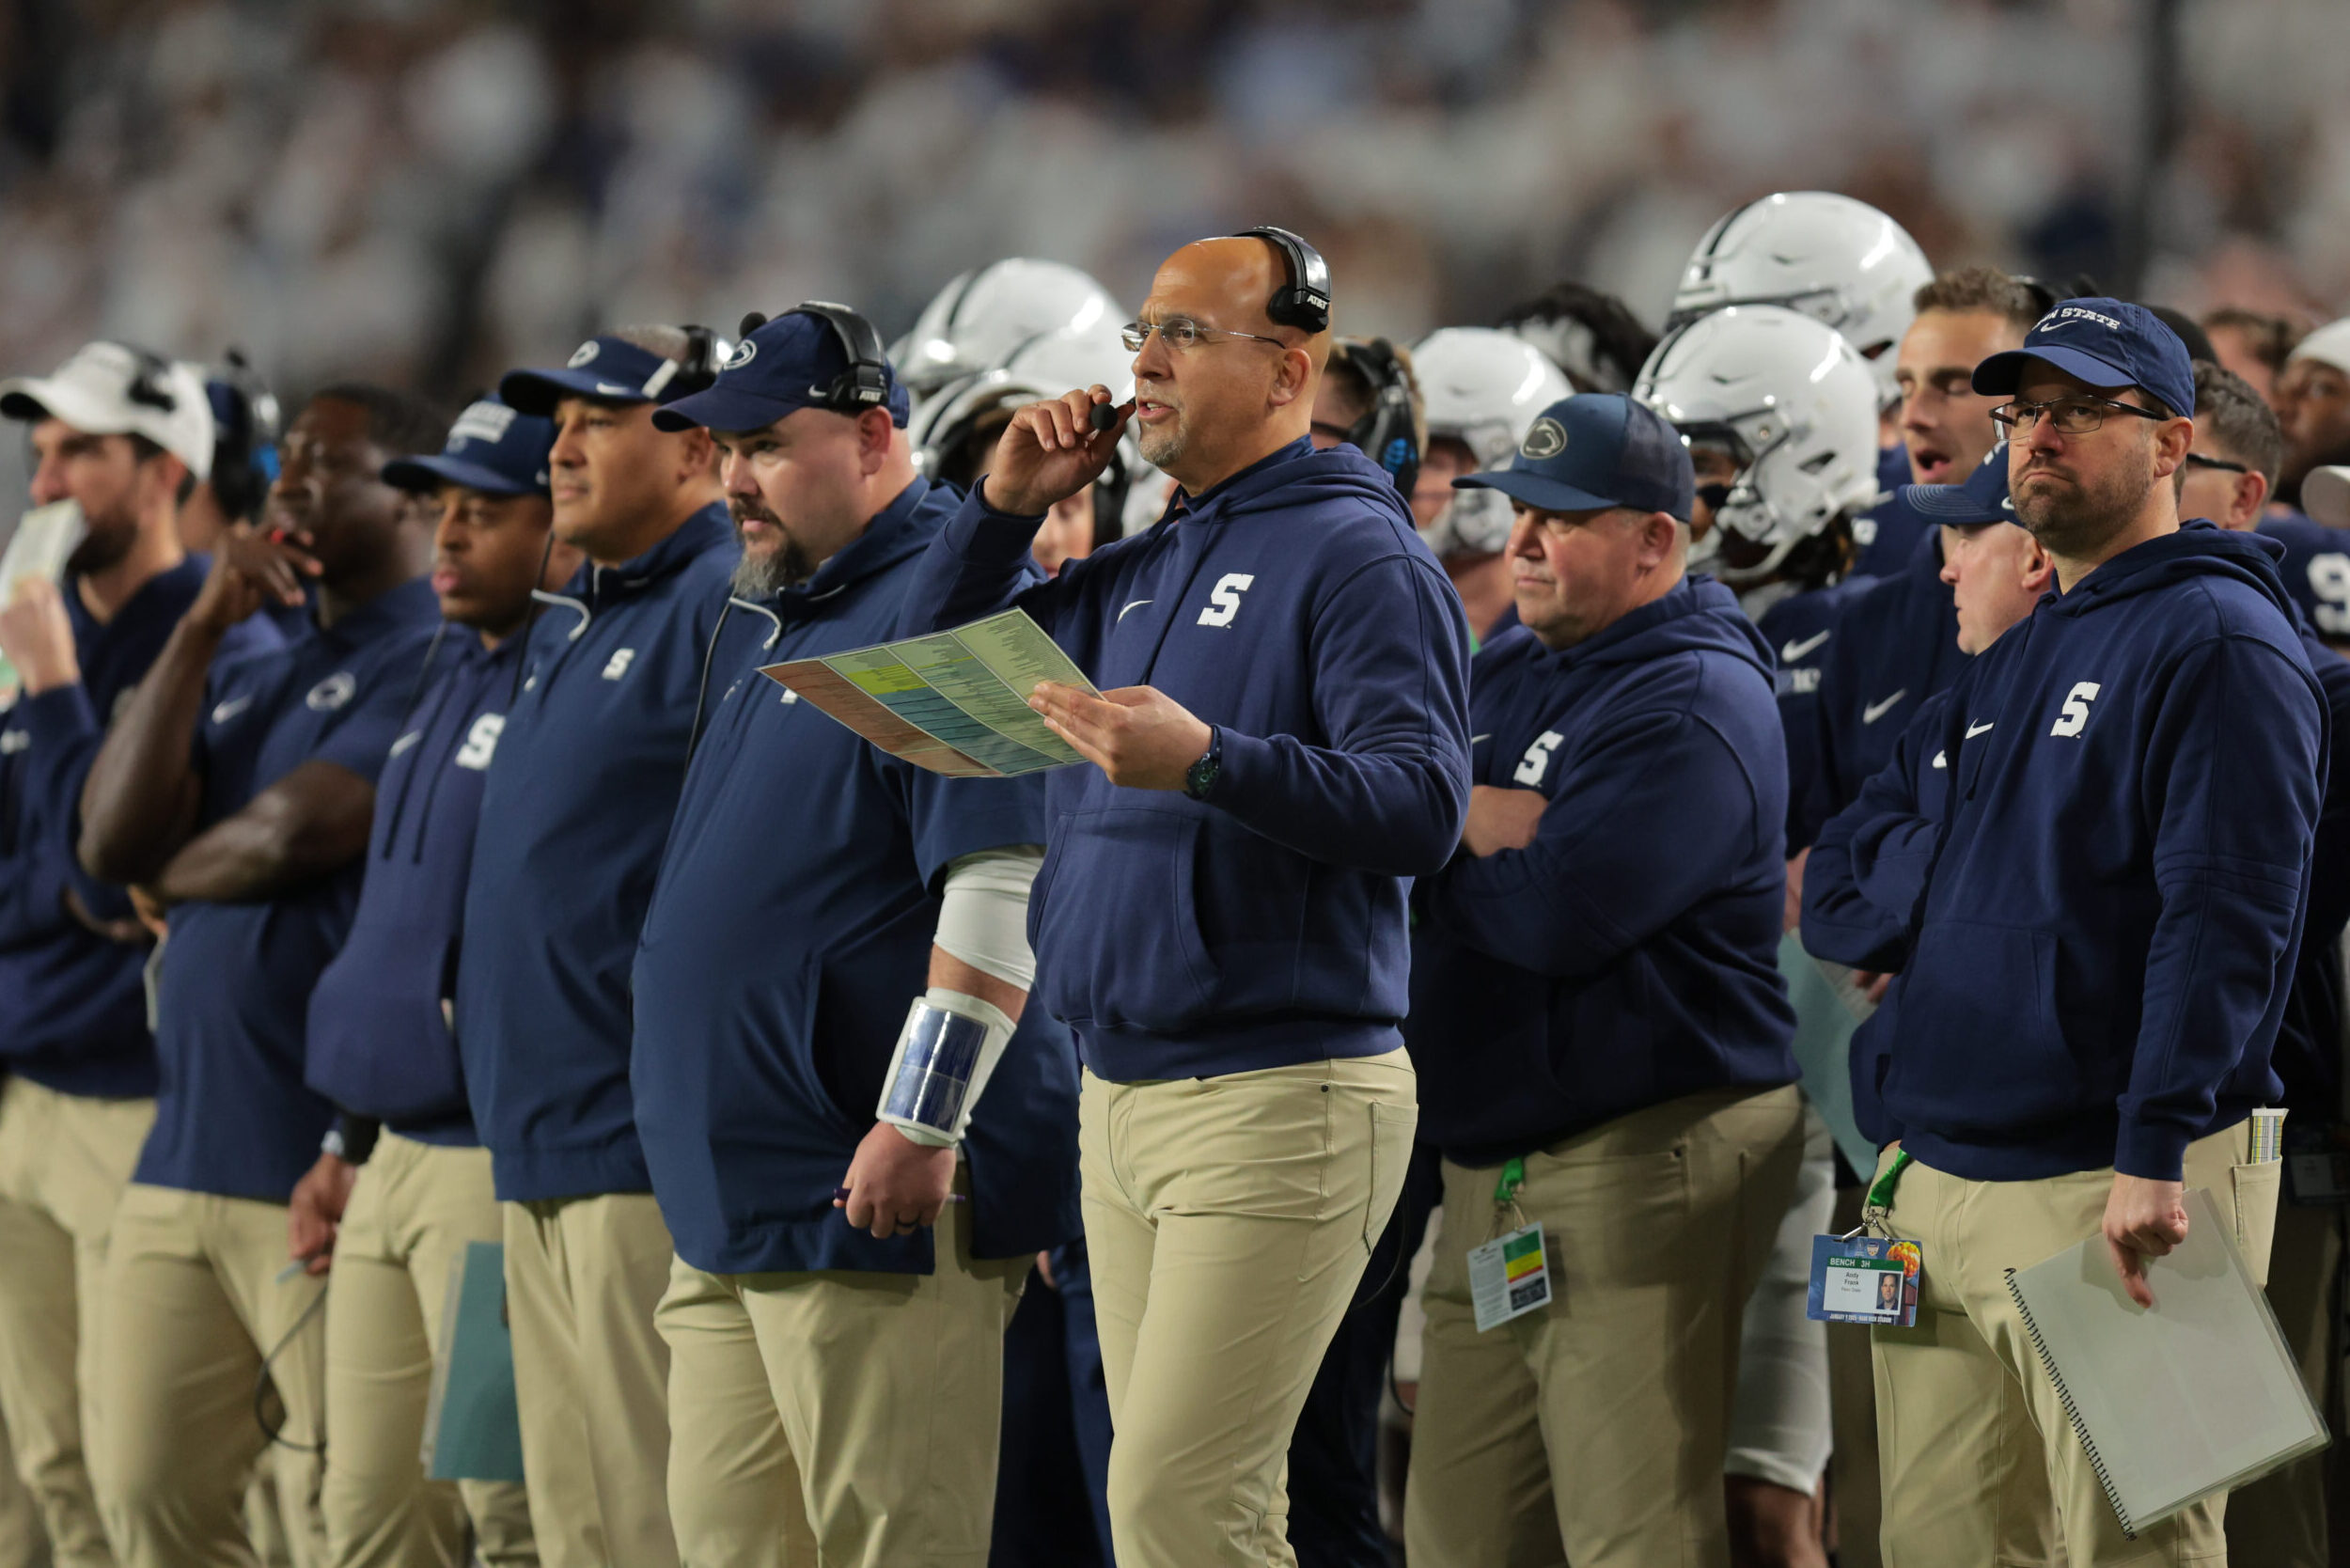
column 1595, row 451
column 1982, row 497
column 611, row 370
column 492, row 447
column 780, row 367
column 2107, row 344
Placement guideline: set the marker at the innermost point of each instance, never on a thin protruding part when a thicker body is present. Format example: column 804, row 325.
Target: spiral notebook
column 2198, row 1395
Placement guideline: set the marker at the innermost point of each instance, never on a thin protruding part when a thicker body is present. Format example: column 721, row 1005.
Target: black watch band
column 1201, row 779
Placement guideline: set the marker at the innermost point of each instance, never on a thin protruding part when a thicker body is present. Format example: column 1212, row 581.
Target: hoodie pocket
column 1117, row 922
column 1980, row 1046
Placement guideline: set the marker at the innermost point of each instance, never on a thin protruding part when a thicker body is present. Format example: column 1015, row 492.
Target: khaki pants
column 1970, row 1433
column 2279, row 1520
column 1227, row 1221
column 412, row 1213
column 582, row 1276
column 64, row 1161
column 194, row 1303
column 24, row 1544
column 855, row 1414
column 1594, row 1432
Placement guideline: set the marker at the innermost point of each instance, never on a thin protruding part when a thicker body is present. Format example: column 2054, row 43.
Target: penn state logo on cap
column 583, row 353
column 1544, row 438
column 744, row 353
column 332, row 693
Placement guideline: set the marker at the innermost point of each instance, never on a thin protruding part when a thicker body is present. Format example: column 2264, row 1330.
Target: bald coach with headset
column 1282, row 742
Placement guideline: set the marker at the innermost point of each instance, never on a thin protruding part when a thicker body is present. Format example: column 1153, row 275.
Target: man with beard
column 2102, row 947
column 242, row 804
column 827, row 1382
column 573, row 822
column 1283, row 744
column 123, row 436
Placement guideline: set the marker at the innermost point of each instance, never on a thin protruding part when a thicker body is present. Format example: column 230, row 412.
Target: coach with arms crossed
column 2104, row 942
column 1601, row 1022
column 1282, row 741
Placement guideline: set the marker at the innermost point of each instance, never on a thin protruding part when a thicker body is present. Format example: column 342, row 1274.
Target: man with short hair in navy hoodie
column 405, row 1182
column 124, row 438
column 2104, row 941
column 240, row 794
column 1600, row 1022
column 812, row 889
column 1281, row 743
column 573, row 822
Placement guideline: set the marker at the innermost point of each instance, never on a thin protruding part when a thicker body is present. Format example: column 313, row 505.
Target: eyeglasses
column 1181, row 333
column 2197, row 460
column 2076, row 413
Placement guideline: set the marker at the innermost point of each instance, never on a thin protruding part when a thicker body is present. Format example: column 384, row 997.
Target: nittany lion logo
column 1545, row 438
column 333, row 692
column 584, row 352
column 744, row 353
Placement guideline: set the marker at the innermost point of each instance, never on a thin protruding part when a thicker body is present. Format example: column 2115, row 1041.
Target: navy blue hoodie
column 1896, row 646
column 1800, row 631
column 2110, row 911
column 574, row 818
column 379, row 1041
column 72, row 1003
column 2316, row 570
column 233, row 1114
column 1629, row 955
column 1294, row 607
column 1888, row 531
column 790, row 930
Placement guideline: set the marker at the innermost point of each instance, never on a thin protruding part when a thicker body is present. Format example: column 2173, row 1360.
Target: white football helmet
column 1837, row 260
column 1795, row 406
column 1043, row 366
column 1482, row 386
column 983, row 315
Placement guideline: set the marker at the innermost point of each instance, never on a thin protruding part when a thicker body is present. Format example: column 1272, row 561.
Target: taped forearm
column 983, row 914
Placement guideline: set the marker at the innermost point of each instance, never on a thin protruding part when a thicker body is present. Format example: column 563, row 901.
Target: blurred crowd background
column 426, row 192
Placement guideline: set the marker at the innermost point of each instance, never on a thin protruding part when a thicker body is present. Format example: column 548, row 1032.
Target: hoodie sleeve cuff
column 980, row 533
column 59, row 713
column 2154, row 1152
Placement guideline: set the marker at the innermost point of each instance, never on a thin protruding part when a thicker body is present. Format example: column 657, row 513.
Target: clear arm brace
column 951, row 1042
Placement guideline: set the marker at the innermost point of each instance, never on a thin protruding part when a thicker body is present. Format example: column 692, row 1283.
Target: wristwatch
column 1199, row 779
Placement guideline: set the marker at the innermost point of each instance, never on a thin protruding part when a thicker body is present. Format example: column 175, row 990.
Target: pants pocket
column 1391, row 1130
column 2255, row 1189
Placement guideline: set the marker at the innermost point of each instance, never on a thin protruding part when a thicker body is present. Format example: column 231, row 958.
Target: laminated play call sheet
column 954, row 702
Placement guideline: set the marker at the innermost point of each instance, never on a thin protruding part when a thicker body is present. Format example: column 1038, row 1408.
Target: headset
column 1303, row 300
column 244, row 452
column 867, row 381
column 151, row 385
column 699, row 365
column 1386, row 433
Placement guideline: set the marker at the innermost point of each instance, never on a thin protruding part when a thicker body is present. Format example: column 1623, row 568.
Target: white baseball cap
column 2326, row 496
column 107, row 389
column 2328, row 345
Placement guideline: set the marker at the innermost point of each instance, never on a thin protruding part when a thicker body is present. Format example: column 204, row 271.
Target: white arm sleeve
column 984, row 916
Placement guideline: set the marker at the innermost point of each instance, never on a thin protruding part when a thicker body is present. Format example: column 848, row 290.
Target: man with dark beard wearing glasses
column 2101, row 944
column 848, row 1253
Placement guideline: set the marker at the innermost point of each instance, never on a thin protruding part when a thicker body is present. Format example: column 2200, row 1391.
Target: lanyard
column 1880, row 1201
column 1506, row 1194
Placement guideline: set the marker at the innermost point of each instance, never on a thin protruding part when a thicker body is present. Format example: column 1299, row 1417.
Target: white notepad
column 2197, row 1396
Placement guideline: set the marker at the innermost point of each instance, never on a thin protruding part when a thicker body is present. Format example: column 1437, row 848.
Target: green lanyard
column 1513, row 1178
column 1880, row 1201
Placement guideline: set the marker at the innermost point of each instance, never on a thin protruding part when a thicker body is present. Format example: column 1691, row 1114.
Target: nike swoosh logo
column 1486, row 736
column 1974, row 729
column 2007, row 503
column 1876, row 710
column 1942, row 760
column 1131, row 605
column 1795, row 650
column 406, row 741
column 230, row 709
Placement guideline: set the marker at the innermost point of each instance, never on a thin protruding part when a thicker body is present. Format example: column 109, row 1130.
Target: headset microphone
column 1104, row 416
